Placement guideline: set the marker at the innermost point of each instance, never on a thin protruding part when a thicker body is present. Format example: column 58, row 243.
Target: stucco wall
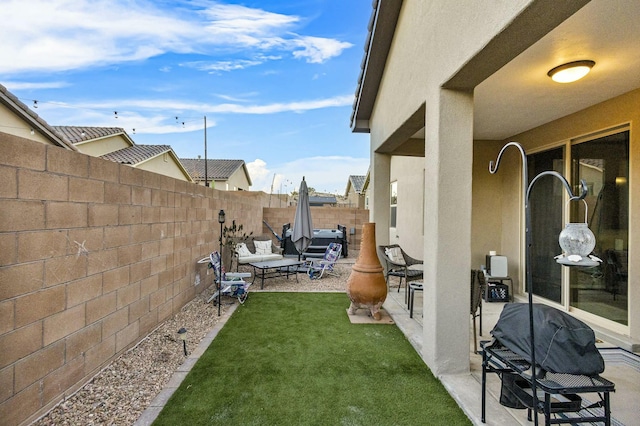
column 102, row 146
column 354, row 199
column 409, row 232
column 428, row 48
column 13, row 125
column 486, row 219
column 238, row 180
column 167, row 168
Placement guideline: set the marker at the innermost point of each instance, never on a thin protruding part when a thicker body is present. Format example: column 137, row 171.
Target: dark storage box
column 496, row 292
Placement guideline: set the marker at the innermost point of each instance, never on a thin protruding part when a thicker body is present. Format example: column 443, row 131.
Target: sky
column 275, row 79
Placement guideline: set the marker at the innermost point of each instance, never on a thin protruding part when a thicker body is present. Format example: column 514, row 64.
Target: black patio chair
column 477, row 287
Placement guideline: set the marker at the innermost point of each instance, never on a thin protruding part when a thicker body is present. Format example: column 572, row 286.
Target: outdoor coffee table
column 275, row 268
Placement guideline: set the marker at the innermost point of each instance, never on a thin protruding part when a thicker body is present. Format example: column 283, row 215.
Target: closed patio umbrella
column 302, row 232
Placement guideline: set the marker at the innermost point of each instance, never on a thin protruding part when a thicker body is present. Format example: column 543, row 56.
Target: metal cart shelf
column 500, row 360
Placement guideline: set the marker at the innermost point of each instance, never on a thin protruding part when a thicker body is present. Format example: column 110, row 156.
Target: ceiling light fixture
column 570, row 72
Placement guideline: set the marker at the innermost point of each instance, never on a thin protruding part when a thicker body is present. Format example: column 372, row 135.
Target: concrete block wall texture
column 323, row 218
column 94, row 255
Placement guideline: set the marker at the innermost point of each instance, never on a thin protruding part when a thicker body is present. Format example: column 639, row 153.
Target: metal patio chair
column 397, row 263
column 316, row 268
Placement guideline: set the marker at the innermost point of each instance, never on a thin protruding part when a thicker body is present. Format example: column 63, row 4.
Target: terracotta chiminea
column 366, row 286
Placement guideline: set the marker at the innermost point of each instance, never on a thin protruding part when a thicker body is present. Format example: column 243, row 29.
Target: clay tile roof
column 216, row 169
column 76, row 134
column 136, row 154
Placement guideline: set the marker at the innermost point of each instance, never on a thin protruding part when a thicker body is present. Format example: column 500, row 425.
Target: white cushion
column 263, row 247
column 243, row 250
column 395, row 254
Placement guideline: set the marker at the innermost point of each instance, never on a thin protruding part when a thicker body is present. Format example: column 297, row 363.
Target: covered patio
column 440, row 103
column 621, row 367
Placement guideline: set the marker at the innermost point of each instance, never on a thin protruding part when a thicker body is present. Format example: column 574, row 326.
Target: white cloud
column 323, row 173
column 259, row 173
column 150, row 123
column 318, row 50
column 222, row 65
column 241, row 98
column 149, row 116
column 77, row 34
column 17, row 85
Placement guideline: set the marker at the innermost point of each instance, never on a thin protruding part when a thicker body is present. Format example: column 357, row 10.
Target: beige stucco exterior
column 237, row 182
column 427, row 50
column 408, row 172
column 165, row 164
column 14, row 125
column 354, row 199
column 105, row 145
column 424, row 107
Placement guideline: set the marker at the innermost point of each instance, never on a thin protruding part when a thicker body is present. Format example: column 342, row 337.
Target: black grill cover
column 563, row 343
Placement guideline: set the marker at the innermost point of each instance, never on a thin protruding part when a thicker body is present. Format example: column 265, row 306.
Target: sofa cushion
column 263, row 247
column 243, row 250
column 259, row 258
column 395, row 254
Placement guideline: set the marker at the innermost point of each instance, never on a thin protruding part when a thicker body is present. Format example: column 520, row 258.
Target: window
column 394, row 204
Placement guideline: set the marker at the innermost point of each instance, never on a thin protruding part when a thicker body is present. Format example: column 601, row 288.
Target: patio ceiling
column 520, row 96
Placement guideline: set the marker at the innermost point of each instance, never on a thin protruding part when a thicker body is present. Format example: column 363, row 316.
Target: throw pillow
column 263, row 247
column 242, row 250
column 395, row 254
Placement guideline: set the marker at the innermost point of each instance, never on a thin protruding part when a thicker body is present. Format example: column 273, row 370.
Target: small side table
column 413, row 287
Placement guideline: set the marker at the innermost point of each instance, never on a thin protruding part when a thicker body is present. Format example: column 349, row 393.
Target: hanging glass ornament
column 577, row 241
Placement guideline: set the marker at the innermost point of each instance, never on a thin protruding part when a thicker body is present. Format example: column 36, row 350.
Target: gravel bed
column 119, row 393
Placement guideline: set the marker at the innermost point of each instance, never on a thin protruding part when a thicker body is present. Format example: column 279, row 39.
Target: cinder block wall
column 94, row 255
column 323, row 218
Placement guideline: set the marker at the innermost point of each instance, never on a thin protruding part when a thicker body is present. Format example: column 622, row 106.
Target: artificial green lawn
column 295, row 359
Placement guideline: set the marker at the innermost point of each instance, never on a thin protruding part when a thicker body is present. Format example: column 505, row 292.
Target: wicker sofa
column 257, row 249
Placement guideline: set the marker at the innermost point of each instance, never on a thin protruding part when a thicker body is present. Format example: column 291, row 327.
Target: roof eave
column 382, row 26
column 20, row 109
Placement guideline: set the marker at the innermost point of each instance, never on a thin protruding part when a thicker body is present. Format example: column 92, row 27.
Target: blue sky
column 275, row 78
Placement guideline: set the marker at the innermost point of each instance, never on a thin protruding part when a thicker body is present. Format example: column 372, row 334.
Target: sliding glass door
column 604, row 164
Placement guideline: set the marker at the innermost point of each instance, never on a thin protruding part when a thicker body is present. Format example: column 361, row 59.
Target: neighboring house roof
column 136, row 154
column 367, row 180
column 19, row 108
column 79, row 134
column 356, row 182
column 216, row 169
column 382, row 26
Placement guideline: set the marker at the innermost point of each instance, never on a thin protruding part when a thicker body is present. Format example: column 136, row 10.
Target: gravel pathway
column 119, row 393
